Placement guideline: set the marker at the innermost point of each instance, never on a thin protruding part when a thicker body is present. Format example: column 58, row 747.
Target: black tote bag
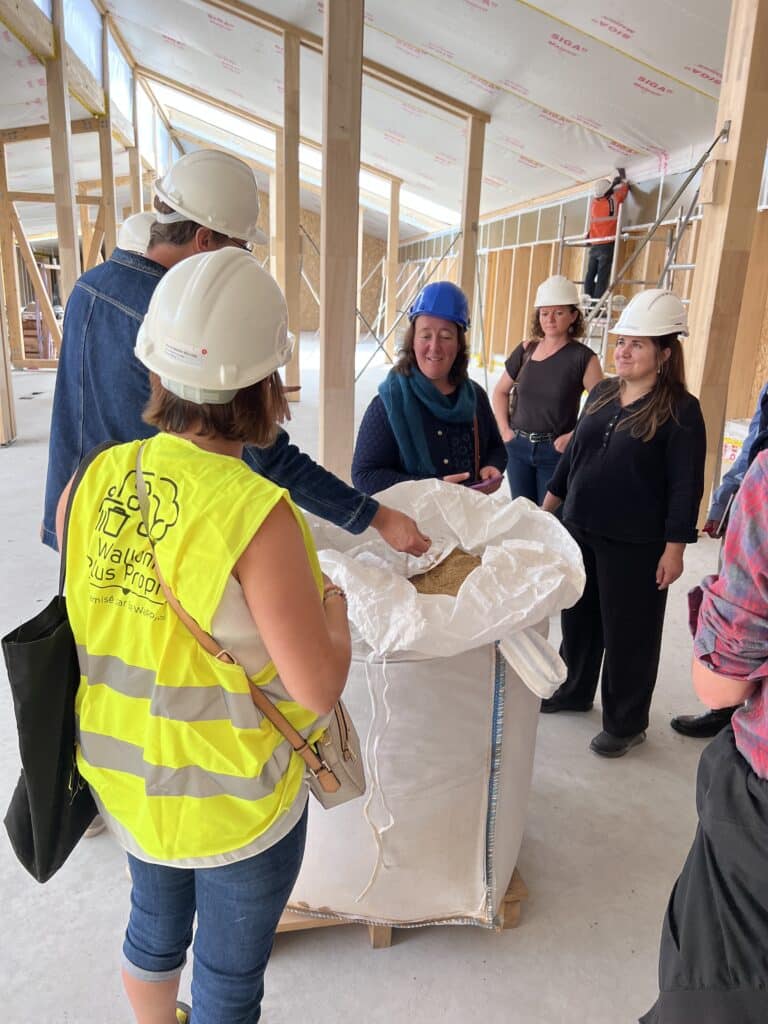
column 52, row 805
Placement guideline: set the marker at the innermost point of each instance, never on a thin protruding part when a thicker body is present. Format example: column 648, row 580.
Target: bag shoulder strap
column 79, row 474
column 301, row 746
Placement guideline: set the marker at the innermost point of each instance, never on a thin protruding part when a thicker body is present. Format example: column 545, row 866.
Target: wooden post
column 86, row 231
column 728, row 221
column 748, row 333
column 288, row 209
column 359, row 328
column 393, row 263
column 61, row 154
column 342, row 96
column 10, row 267
column 106, row 157
column 470, row 207
column 134, row 155
column 7, row 406
column 97, row 237
column 41, row 293
column 274, row 198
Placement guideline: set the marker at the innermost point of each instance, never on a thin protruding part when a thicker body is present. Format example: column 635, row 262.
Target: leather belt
column 535, row 437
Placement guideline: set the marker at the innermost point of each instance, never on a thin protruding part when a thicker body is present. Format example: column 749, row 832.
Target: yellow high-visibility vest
column 183, row 765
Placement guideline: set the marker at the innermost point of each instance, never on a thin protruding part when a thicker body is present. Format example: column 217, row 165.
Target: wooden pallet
column 380, row 935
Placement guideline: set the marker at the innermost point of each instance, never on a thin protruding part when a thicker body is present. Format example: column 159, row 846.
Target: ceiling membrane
column 573, row 87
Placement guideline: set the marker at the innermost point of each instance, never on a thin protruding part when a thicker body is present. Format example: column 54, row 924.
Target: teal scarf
column 402, row 397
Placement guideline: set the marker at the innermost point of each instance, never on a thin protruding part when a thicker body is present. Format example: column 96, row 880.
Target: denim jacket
column 102, row 389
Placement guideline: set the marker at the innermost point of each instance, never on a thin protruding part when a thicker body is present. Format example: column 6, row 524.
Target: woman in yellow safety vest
column 205, row 795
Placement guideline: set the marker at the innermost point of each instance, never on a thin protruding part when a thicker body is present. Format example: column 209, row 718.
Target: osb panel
column 540, row 259
column 517, row 326
column 489, row 294
column 497, row 340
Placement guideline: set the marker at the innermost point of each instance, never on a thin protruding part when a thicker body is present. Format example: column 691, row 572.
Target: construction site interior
column 395, row 145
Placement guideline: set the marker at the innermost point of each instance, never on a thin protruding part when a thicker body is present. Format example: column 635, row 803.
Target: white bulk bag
column 448, row 727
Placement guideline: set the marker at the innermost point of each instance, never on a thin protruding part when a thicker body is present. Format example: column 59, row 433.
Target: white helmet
column 651, row 314
column 216, row 323
column 557, row 291
column 217, row 190
column 134, row 232
column 601, row 186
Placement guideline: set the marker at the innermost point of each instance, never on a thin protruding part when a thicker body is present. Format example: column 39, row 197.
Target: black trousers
column 598, row 269
column 617, row 622
column 713, row 962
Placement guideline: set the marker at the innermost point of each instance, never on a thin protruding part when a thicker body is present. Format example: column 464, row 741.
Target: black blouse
column 618, row 486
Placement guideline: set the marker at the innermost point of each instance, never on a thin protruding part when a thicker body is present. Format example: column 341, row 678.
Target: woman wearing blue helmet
column 429, row 419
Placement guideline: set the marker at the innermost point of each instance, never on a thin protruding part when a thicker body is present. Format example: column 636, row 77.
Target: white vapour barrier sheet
column 448, row 726
column 572, row 88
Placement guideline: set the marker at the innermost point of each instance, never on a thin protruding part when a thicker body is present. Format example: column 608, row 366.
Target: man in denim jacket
column 101, row 388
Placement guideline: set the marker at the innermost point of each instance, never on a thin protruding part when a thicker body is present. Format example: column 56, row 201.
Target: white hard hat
column 601, row 186
column 557, row 291
column 217, row 190
column 216, row 323
column 134, row 232
column 651, row 314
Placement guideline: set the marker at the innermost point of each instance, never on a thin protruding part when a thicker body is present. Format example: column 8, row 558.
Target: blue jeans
column 238, row 908
column 530, row 466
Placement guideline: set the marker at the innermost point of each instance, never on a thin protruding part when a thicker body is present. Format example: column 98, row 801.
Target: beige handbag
column 336, row 772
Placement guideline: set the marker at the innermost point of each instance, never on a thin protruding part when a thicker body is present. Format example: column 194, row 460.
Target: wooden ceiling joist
column 371, row 68
column 32, row 132
column 49, row 197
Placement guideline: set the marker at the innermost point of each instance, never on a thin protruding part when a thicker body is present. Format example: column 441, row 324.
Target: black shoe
column 614, row 746
column 554, row 704
column 703, row 726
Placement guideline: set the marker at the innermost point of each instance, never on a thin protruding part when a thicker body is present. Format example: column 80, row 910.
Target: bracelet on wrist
column 334, row 591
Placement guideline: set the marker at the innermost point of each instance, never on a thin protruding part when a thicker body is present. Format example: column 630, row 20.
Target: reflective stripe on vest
column 168, row 736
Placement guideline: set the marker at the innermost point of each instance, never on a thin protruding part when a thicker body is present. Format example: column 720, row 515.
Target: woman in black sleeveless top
column 549, row 374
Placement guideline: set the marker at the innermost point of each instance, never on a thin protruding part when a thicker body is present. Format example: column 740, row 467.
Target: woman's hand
column 507, row 434
column 551, row 503
column 561, row 443
column 492, row 477
column 670, row 567
column 456, row 478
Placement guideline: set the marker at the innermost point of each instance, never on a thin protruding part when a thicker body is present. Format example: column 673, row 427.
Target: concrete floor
column 603, row 845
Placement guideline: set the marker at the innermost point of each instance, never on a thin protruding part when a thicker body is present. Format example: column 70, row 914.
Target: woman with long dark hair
column 630, row 483
column 429, row 419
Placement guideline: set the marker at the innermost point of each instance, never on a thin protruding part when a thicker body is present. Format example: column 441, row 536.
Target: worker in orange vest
column 603, row 214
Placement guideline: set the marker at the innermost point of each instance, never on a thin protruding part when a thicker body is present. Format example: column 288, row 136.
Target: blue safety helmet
column 443, row 299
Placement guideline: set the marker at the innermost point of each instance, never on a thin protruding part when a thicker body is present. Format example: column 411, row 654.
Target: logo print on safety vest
column 120, row 503
column 123, row 564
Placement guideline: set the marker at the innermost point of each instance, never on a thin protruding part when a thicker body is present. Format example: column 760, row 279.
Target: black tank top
column 548, row 391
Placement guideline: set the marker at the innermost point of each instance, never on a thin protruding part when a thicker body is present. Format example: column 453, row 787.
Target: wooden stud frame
column 288, row 208
column 106, row 156
column 728, row 222
column 470, row 207
column 41, row 292
column 10, row 268
column 392, row 264
column 7, row 406
column 61, row 156
column 342, row 98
